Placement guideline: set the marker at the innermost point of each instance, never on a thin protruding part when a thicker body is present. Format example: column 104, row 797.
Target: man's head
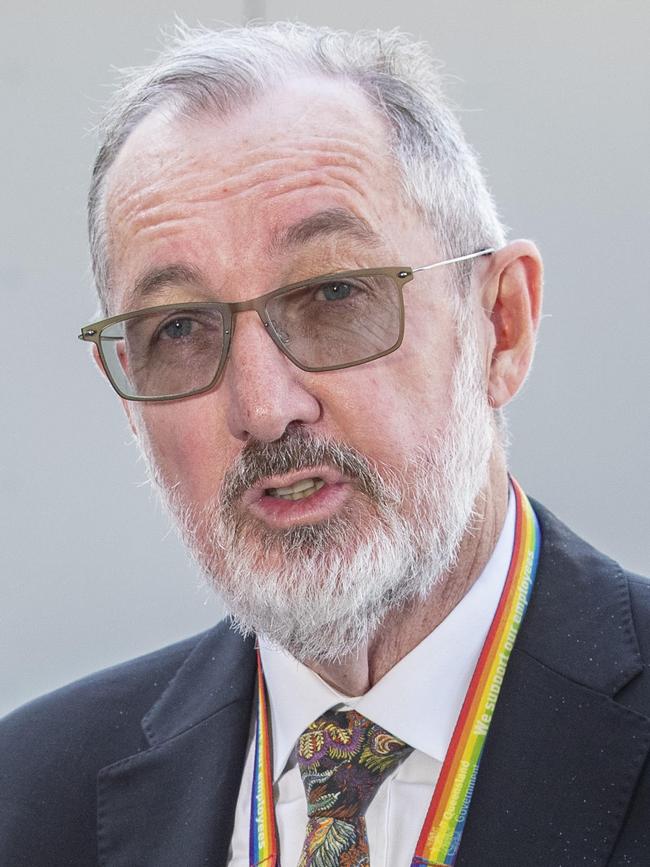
column 228, row 171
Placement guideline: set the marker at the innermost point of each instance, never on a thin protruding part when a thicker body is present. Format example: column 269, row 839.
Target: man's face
column 217, row 197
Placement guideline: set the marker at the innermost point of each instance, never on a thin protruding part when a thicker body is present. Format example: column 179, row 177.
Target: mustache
column 296, row 450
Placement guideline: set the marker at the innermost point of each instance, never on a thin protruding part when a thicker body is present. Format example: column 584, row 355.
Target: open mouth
column 298, row 491
column 298, row 497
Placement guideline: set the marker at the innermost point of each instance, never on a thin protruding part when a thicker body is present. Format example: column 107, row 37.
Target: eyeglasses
column 326, row 323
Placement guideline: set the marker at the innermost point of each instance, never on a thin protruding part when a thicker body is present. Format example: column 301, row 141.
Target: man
column 314, row 321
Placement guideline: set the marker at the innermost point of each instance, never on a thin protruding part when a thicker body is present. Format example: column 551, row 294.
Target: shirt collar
column 420, row 698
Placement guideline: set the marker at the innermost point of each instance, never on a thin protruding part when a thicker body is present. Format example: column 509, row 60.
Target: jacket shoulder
column 52, row 748
column 109, row 699
column 588, row 617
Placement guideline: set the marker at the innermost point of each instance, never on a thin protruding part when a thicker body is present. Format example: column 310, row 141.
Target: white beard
column 322, row 591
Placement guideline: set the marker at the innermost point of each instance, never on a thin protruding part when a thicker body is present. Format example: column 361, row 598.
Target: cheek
column 427, row 359
column 184, row 441
column 387, row 408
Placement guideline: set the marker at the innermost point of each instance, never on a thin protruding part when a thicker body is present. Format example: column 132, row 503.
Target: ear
column 512, row 300
column 125, row 403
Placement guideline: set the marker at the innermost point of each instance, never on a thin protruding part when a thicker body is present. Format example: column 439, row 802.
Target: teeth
column 298, row 491
column 302, row 485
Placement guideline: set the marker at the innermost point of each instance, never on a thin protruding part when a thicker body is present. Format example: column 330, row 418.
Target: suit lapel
column 174, row 803
column 562, row 756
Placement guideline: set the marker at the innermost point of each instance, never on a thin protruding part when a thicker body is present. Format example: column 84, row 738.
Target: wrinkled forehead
column 300, row 133
column 209, row 192
column 232, row 184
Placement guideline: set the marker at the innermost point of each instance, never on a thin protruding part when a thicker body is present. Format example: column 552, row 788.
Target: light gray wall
column 554, row 97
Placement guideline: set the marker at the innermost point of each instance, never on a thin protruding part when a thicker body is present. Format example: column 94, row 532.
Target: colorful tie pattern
column 343, row 759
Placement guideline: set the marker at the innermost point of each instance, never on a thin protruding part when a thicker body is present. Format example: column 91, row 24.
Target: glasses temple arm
column 485, row 252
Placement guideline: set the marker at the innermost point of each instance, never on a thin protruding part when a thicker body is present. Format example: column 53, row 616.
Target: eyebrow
column 158, row 278
column 333, row 222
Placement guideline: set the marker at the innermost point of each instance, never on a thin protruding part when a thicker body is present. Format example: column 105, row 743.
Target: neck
column 406, row 628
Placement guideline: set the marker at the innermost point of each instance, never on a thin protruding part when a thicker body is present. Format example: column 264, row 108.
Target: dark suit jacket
column 140, row 765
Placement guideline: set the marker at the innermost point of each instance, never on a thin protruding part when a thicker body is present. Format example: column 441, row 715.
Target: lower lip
column 319, row 506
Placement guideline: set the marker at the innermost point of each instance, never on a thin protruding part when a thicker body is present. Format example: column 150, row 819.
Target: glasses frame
column 92, row 333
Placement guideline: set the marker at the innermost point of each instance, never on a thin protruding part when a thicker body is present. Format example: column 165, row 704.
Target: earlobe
column 514, row 316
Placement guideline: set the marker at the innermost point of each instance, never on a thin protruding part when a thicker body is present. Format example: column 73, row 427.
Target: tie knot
column 343, row 759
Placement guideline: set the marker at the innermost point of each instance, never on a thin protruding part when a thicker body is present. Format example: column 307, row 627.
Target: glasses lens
column 341, row 320
column 165, row 353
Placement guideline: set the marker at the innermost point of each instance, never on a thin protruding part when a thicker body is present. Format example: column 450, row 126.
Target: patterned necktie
column 343, row 759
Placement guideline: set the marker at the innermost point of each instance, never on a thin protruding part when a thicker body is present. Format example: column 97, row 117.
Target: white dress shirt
column 418, row 700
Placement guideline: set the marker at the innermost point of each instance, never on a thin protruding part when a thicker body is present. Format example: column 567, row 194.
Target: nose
column 264, row 391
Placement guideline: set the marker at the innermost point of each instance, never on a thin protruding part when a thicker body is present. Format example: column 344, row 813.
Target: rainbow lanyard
column 445, row 821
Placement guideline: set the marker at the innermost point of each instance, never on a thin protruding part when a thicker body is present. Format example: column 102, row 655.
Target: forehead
column 311, row 145
column 334, row 117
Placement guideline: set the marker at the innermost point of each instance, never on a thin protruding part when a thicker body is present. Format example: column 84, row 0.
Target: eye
column 337, row 290
column 184, row 327
column 177, row 328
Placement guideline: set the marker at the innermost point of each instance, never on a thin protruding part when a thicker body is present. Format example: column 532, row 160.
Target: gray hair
column 207, row 71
